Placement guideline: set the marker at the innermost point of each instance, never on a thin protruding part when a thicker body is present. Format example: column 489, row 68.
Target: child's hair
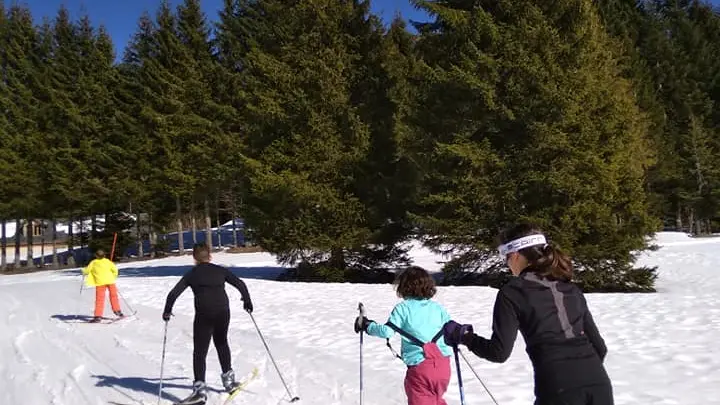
column 201, row 252
column 100, row 254
column 415, row 282
column 548, row 261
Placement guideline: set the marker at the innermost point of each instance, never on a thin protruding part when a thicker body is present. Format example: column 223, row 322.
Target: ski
column 231, row 395
column 241, row 387
column 108, row 321
column 104, row 321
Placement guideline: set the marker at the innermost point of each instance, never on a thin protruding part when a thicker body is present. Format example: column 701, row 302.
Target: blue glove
column 454, row 333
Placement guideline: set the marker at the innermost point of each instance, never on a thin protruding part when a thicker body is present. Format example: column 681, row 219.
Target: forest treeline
column 338, row 137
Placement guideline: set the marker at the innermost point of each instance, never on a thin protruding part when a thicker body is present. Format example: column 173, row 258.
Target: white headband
column 521, row 243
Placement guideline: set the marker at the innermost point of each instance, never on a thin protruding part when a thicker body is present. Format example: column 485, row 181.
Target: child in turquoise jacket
column 420, row 322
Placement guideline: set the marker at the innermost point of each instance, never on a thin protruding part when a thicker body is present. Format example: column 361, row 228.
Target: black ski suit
column 563, row 343
column 212, row 311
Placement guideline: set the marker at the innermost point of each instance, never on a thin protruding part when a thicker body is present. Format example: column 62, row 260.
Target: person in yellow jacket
column 101, row 273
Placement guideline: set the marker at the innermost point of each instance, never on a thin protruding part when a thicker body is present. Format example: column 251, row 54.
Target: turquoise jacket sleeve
column 383, row 331
column 445, row 316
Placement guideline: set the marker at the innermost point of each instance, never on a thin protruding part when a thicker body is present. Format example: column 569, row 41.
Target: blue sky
column 120, row 16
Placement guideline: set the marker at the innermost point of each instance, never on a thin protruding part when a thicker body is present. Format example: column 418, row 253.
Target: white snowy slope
column 662, row 347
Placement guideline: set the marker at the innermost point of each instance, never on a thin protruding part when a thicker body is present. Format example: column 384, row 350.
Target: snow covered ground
column 662, row 347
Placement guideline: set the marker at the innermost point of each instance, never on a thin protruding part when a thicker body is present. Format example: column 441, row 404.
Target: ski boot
column 119, row 314
column 96, row 319
column 228, row 380
column 198, row 396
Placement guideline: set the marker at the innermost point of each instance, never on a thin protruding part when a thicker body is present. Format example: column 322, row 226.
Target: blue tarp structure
column 222, row 236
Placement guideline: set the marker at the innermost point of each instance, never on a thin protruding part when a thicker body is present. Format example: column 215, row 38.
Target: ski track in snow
column 662, row 347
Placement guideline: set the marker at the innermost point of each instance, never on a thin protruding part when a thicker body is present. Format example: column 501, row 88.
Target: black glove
column 455, row 334
column 361, row 324
column 166, row 316
column 248, row 306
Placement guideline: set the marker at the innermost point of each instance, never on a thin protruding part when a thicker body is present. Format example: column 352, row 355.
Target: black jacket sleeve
column 505, row 329
column 175, row 293
column 593, row 335
column 233, row 280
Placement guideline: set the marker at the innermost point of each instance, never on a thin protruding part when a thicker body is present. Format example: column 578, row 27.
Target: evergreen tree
column 306, row 72
column 101, row 154
column 630, row 23
column 53, row 204
column 21, row 137
column 684, row 67
column 6, row 167
column 210, row 154
column 68, row 174
column 5, row 150
column 527, row 118
column 140, row 181
column 386, row 180
column 162, row 116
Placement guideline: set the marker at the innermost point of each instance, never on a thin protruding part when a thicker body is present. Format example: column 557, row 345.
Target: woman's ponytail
column 547, row 260
column 554, row 263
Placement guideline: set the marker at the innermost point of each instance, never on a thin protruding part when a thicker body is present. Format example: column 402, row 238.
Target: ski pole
column 162, row 362
column 459, row 375
column 476, row 376
column 361, row 311
column 132, row 311
column 82, row 284
column 273, row 360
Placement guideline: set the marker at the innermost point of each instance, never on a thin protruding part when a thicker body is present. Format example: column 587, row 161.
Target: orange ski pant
column 100, row 298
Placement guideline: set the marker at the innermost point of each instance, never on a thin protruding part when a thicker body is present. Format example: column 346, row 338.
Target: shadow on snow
column 145, row 385
column 260, row 273
column 72, row 318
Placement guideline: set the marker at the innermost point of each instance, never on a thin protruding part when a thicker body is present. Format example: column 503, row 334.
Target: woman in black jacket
column 563, row 343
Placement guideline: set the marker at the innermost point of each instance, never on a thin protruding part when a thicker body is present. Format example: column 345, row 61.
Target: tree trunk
column 337, row 259
column 153, row 236
column 29, row 244
column 70, row 235
column 678, row 219
column 194, row 226
column 55, row 261
column 217, row 220
column 82, row 232
column 3, row 245
column 691, row 221
column 180, row 238
column 234, row 225
column 208, row 224
column 42, row 244
column 71, row 246
column 18, row 229
column 138, row 229
column 93, row 228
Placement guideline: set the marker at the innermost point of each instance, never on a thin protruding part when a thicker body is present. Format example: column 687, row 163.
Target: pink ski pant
column 426, row 383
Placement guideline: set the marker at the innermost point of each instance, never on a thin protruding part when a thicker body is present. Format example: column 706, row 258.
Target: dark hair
column 548, row 261
column 201, row 252
column 100, row 254
column 415, row 282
